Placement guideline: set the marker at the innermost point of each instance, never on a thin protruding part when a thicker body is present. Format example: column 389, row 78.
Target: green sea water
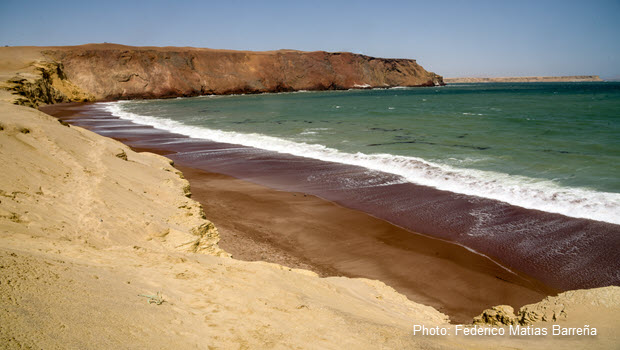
column 539, row 145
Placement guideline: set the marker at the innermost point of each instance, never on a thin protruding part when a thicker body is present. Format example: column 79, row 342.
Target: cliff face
column 570, row 78
column 107, row 71
column 48, row 85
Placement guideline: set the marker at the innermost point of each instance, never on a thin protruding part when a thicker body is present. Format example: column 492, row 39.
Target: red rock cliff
column 109, row 71
column 115, row 71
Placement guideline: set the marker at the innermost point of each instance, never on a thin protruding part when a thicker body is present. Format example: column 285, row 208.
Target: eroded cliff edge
column 109, row 71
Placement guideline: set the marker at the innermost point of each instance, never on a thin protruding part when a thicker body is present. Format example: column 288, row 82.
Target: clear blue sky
column 452, row 38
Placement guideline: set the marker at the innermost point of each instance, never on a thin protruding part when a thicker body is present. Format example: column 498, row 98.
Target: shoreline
column 548, row 247
column 366, row 246
column 100, row 245
column 96, row 226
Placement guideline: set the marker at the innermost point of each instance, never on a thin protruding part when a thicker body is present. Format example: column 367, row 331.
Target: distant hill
column 570, row 78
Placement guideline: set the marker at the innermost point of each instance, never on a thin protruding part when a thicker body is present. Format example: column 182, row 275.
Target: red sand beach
column 301, row 230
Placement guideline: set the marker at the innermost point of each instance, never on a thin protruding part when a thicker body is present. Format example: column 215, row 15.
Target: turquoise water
column 547, row 146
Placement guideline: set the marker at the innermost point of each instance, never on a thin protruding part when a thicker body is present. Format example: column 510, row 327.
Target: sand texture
column 87, row 226
column 84, row 231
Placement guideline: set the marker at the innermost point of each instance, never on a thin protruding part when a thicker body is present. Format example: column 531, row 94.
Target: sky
column 451, row 38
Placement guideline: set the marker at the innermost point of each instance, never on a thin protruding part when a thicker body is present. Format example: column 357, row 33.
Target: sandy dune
column 84, row 232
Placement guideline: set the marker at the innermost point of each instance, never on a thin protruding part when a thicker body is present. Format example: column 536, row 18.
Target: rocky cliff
column 109, row 71
column 47, row 85
column 570, row 78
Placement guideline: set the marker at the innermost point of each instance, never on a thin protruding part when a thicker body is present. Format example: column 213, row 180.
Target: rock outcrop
column 580, row 304
column 49, row 85
column 501, row 315
column 108, row 71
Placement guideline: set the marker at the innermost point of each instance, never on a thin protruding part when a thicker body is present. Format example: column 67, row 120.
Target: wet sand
column 299, row 230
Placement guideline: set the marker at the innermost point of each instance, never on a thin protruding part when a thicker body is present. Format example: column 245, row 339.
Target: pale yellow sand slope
column 84, row 232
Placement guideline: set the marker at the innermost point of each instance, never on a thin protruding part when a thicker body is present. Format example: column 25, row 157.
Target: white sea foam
column 522, row 191
column 313, row 131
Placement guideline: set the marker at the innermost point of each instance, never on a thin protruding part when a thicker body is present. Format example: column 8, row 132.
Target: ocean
column 523, row 174
column 553, row 147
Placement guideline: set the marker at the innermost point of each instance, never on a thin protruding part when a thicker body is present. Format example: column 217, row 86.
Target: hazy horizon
column 450, row 38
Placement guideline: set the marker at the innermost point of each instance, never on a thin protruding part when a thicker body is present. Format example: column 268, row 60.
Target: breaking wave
column 521, row 191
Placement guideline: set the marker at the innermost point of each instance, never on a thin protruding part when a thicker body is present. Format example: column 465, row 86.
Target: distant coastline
column 570, row 78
